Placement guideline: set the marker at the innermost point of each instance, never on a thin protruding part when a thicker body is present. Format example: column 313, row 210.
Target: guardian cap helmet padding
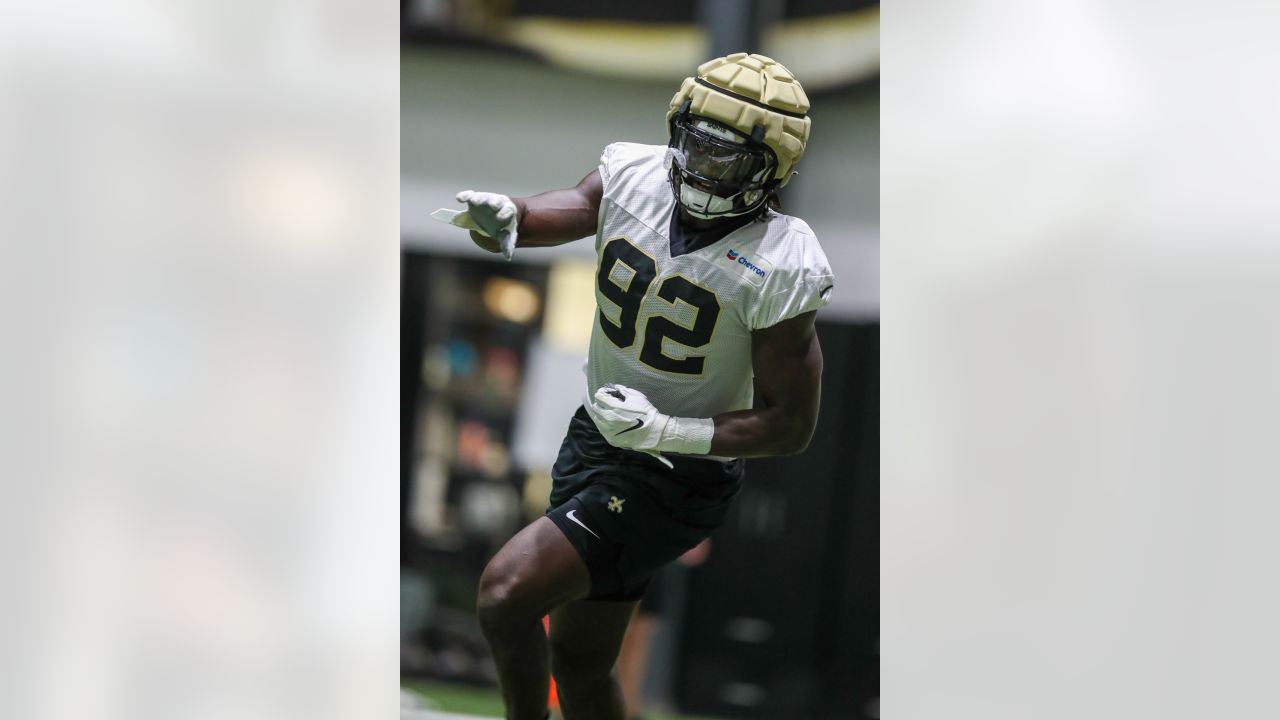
column 758, row 129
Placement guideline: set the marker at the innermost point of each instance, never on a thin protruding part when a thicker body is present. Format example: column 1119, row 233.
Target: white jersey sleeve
column 801, row 279
column 634, row 181
column 609, row 161
column 627, row 169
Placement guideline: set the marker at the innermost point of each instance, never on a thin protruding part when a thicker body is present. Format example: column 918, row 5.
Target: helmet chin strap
column 691, row 199
column 698, row 203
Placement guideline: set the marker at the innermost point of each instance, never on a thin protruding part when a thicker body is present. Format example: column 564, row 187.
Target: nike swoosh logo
column 639, row 423
column 617, row 394
column 584, row 527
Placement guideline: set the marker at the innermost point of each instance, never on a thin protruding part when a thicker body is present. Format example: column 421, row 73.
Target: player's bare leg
column 535, row 571
column 585, row 638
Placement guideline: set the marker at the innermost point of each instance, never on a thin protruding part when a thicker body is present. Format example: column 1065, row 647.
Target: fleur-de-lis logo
column 615, row 504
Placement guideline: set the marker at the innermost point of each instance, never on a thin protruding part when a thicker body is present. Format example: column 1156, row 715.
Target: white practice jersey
column 679, row 328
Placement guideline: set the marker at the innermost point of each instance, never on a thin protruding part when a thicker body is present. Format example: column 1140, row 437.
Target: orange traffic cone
column 553, row 701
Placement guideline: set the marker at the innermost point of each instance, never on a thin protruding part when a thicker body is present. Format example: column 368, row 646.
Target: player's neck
column 689, row 234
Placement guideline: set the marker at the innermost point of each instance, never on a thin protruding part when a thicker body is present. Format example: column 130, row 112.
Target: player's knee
column 497, row 603
column 495, row 593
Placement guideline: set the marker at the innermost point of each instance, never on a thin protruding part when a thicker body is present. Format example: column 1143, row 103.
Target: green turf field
column 480, row 701
column 457, row 698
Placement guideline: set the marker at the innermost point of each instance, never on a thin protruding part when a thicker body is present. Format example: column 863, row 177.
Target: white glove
column 628, row 420
column 487, row 213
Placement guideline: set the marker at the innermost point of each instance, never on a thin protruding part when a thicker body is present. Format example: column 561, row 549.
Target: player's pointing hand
column 491, row 217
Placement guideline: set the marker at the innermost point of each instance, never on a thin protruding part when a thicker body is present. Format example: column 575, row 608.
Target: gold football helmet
column 737, row 129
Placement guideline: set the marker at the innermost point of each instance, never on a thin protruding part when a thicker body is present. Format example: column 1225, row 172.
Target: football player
column 703, row 353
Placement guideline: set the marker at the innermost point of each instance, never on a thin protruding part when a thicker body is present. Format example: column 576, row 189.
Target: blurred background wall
column 519, row 97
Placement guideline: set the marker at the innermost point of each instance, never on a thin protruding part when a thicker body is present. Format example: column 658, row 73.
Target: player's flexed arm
column 787, row 362
column 501, row 224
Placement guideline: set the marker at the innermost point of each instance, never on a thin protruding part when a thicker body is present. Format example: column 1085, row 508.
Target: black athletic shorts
column 627, row 514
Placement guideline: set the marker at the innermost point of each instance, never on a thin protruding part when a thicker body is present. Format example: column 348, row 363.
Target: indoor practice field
column 442, row 701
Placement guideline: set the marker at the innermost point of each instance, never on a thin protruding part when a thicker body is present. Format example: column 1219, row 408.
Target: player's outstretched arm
column 500, row 224
column 560, row 216
column 787, row 361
